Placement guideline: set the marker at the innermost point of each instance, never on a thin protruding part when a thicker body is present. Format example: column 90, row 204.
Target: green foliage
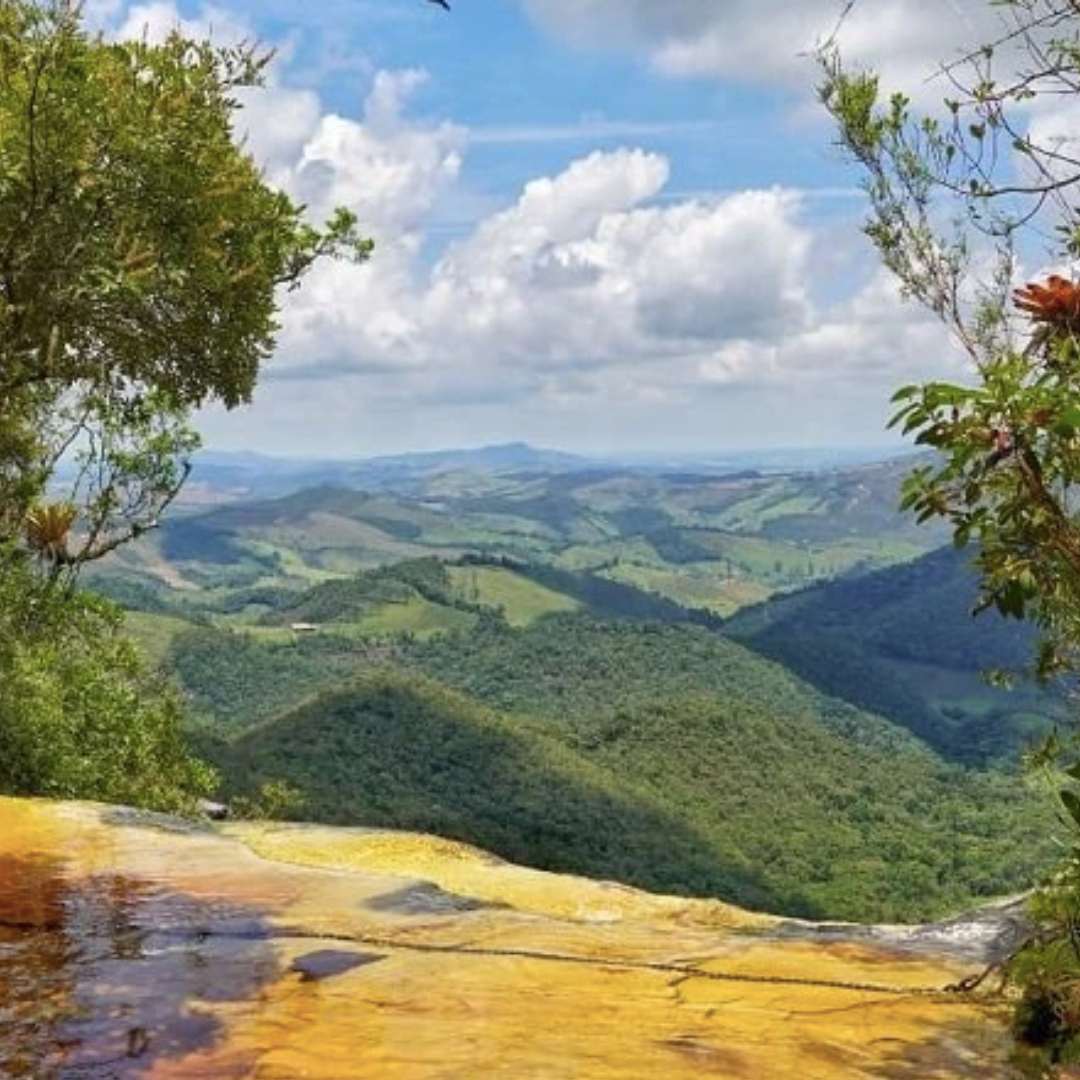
column 1047, row 968
column 662, row 756
column 349, row 599
column 79, row 715
column 947, row 202
column 942, row 206
column 744, row 749
column 273, row 801
column 611, row 599
column 237, row 681
column 398, row 750
column 143, row 256
column 902, row 642
column 1010, row 449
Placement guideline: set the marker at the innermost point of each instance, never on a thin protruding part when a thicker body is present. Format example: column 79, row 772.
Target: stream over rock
column 134, row 945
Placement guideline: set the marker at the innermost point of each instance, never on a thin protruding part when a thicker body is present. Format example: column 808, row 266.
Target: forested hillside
column 662, row 755
column 903, row 642
column 536, row 663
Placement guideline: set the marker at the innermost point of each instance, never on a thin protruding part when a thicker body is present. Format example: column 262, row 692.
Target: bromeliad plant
column 48, row 530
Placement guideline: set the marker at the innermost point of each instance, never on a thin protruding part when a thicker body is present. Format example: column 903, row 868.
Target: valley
column 762, row 687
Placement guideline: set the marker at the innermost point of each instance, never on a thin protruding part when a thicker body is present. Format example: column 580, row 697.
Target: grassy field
column 709, row 587
column 154, row 634
column 521, row 601
column 590, row 556
column 416, row 616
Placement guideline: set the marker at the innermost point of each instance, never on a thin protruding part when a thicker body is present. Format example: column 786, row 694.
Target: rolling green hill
column 703, row 540
column 534, row 661
column 902, row 642
column 663, row 756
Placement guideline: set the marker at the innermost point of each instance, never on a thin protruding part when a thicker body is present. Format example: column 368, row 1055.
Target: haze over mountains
column 261, row 474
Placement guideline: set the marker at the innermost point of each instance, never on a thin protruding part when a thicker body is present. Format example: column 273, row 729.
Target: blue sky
column 605, row 225
column 534, row 102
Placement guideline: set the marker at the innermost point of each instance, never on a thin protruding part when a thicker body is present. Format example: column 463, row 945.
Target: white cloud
column 580, row 274
column 156, row 20
column 590, row 291
column 768, row 40
column 387, row 169
column 871, row 337
column 595, row 297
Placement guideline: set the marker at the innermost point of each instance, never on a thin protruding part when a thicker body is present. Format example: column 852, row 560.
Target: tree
column 142, row 256
column 80, row 716
column 960, row 197
column 142, row 259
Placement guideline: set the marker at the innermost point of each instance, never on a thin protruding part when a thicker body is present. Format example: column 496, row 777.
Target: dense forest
column 903, row 642
column 654, row 752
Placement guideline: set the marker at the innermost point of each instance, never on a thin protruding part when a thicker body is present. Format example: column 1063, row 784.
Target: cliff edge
column 136, row 945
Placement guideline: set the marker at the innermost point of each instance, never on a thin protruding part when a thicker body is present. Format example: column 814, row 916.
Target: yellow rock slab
column 138, row 948
column 467, row 871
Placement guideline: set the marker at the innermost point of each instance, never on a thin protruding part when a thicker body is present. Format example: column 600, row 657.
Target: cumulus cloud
column 768, row 40
column 592, row 294
column 386, row 169
column 871, row 337
column 579, row 273
column 582, row 272
column 590, row 288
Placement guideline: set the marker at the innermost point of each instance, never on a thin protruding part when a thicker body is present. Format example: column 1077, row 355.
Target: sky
column 600, row 225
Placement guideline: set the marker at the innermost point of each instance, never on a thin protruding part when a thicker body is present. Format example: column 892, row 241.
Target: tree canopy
column 963, row 197
column 142, row 255
column 142, row 262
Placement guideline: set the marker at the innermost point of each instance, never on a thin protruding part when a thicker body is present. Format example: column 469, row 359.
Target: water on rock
column 133, row 946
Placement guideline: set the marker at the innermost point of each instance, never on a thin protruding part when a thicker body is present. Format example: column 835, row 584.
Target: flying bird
column 442, row 3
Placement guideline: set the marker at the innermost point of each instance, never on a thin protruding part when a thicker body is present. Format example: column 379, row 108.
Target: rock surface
column 138, row 946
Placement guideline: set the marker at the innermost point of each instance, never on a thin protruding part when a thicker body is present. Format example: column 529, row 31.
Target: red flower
column 1057, row 303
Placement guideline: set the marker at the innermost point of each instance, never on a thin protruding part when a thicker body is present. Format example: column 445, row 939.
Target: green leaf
column 1072, row 804
column 1068, row 422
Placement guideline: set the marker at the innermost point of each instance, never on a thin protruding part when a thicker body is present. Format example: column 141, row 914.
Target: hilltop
column 661, row 755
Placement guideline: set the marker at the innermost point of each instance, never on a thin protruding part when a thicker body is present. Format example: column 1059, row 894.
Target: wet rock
column 986, row 936
column 138, row 946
